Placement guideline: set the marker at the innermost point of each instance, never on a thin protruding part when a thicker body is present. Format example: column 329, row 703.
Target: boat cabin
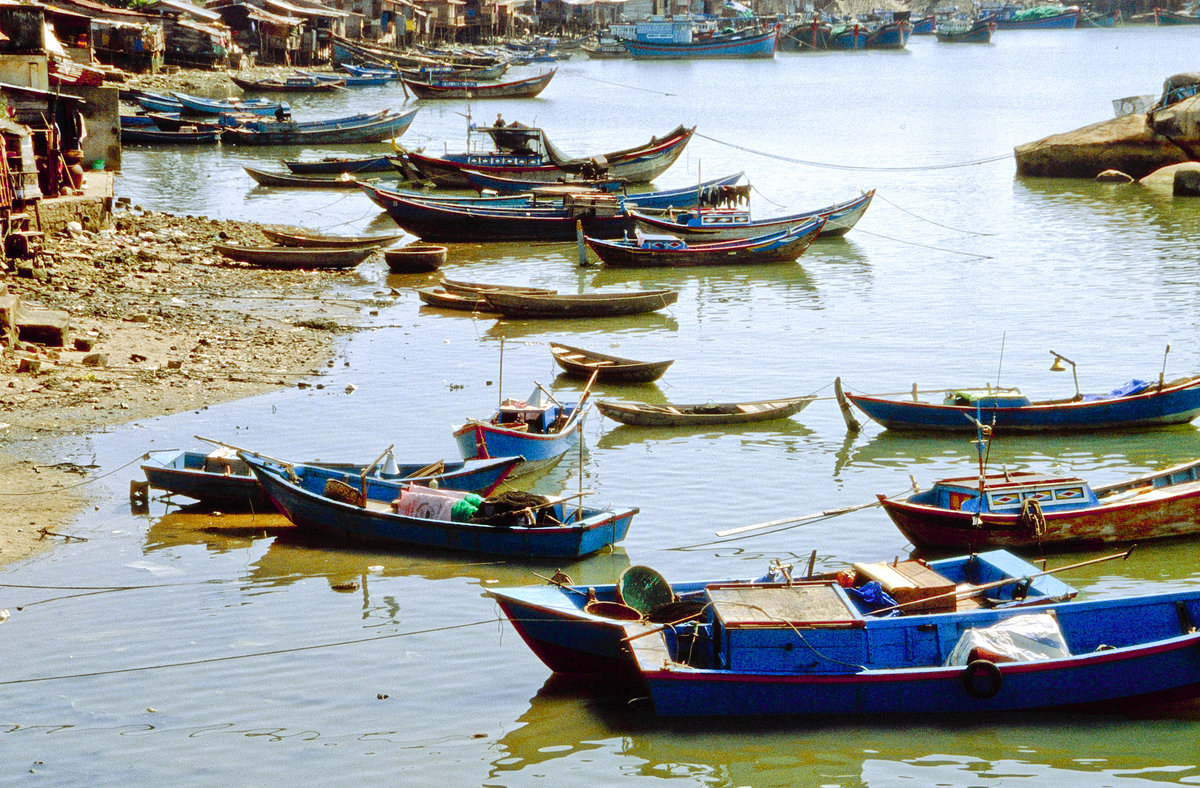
column 990, row 400
column 1006, row 493
column 715, row 218
column 537, row 415
column 658, row 241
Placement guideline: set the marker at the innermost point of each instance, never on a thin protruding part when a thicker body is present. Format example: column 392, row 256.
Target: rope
column 232, row 657
column 922, row 218
column 973, row 255
column 851, row 166
column 1032, row 516
column 139, row 458
column 627, row 87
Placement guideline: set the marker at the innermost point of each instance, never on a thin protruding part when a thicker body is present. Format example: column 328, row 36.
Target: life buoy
column 982, row 679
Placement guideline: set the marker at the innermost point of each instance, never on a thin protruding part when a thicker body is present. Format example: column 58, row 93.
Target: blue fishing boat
column 373, row 80
column 724, row 224
column 221, row 479
column 601, row 216
column 742, row 44
column 197, row 105
column 1135, row 405
column 142, row 135
column 924, row 26
column 889, row 35
column 848, row 36
column 369, row 71
column 539, row 429
column 649, row 250
column 156, row 102
column 978, row 32
column 1165, row 18
column 1045, row 17
column 539, row 192
column 349, row 132
column 582, row 629
column 398, row 515
column 809, row 650
column 336, row 165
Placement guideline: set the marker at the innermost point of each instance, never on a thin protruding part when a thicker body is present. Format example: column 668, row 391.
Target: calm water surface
column 205, row 650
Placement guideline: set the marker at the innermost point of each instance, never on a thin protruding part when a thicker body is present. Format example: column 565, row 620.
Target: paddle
column 797, row 518
column 240, row 449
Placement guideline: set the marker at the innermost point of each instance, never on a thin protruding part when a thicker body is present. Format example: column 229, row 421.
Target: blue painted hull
column 849, row 38
column 152, row 102
column 893, row 35
column 479, row 440
column 313, row 512
column 1064, row 21
column 925, row 26
column 329, row 133
column 185, row 473
column 1175, row 404
column 553, row 623
column 1121, row 651
column 761, row 45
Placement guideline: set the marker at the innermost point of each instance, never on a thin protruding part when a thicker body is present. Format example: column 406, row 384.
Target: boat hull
column 595, row 305
column 697, row 415
column 761, row 45
column 473, row 89
column 1064, row 21
column 1176, row 404
column 785, row 246
column 478, row 440
column 839, row 220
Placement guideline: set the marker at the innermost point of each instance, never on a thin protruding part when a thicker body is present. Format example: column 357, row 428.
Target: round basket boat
column 415, row 258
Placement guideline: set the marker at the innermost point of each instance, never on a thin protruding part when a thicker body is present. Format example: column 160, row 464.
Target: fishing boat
column 526, row 152
column 809, row 650
column 175, row 121
column 647, row 250
column 300, row 237
column 541, row 429
column 1164, row 17
column 644, row 414
column 925, row 25
column 139, row 135
column 601, row 216
column 364, row 81
column 978, row 32
column 529, row 193
column 415, row 258
column 889, row 35
column 369, row 71
column 478, row 288
column 599, row 304
column 287, row 84
column 352, row 132
column 1091, row 19
column 1044, row 17
column 1024, row 510
column 458, row 88
column 397, row 515
column 156, row 102
column 291, row 181
column 482, row 181
column 336, row 165
column 724, row 224
column 579, row 363
column 196, row 105
column 1134, row 405
column 742, row 44
column 443, row 299
column 295, row 257
column 848, row 36
column 221, row 479
column 582, row 629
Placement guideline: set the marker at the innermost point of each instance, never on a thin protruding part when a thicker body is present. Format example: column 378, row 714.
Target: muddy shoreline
column 160, row 324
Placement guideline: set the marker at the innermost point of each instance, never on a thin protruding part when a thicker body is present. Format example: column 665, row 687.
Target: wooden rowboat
column 443, row 299
column 335, row 165
column 644, row 414
column 288, row 84
column 631, row 302
column 457, row 88
column 476, row 288
column 299, row 237
column 580, row 363
column 646, row 250
column 415, row 258
column 295, row 257
column 290, row 180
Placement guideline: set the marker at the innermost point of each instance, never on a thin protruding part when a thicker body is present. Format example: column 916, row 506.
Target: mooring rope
column 627, row 87
column 232, row 657
column 829, row 166
column 49, row 490
column 975, row 255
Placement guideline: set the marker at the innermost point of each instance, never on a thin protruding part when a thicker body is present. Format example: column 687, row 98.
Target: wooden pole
column 500, row 380
column 581, row 246
column 852, row 424
column 797, row 518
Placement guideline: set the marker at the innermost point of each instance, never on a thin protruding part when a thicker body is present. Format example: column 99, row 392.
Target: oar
column 1008, row 581
column 545, row 391
column 239, row 448
column 798, row 518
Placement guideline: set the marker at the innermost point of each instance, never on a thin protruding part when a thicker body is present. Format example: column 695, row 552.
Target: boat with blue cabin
column 540, row 429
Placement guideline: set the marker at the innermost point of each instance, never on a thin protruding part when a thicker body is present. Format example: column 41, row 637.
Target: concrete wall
column 103, row 118
column 25, row 70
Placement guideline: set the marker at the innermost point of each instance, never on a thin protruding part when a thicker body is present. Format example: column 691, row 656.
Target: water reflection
column 781, row 432
column 515, row 328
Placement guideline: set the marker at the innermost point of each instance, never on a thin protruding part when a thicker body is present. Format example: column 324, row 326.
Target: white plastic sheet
column 1026, row 638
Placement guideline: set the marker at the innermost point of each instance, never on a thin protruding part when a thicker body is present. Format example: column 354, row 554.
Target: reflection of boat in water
column 219, row 533
column 513, row 328
column 750, row 433
column 295, row 556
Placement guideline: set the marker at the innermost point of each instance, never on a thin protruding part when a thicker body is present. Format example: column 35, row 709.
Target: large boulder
column 1128, row 144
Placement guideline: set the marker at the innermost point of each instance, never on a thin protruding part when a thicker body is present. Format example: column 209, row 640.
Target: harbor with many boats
column 584, row 465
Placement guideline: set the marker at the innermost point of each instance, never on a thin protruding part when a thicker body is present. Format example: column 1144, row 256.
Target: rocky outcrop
column 1129, row 144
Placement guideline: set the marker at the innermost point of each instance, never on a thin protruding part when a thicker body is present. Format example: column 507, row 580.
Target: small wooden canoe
column 475, row 288
column 631, row 302
column 646, row 415
column 290, row 180
column 295, row 257
column 336, row 165
column 415, row 258
column 580, row 363
column 442, row 299
column 300, row 237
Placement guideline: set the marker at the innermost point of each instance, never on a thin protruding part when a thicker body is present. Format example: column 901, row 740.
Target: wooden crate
column 911, row 583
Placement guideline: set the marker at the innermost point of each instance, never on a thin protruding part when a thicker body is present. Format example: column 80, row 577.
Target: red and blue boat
column 583, row 629
column 924, row 26
column 889, row 35
column 742, row 44
column 1033, row 510
column 540, row 429
column 401, row 516
column 1135, row 405
column 649, row 250
column 723, row 224
column 808, row 650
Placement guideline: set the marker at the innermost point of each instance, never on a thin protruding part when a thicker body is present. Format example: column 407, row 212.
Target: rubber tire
column 977, row 669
